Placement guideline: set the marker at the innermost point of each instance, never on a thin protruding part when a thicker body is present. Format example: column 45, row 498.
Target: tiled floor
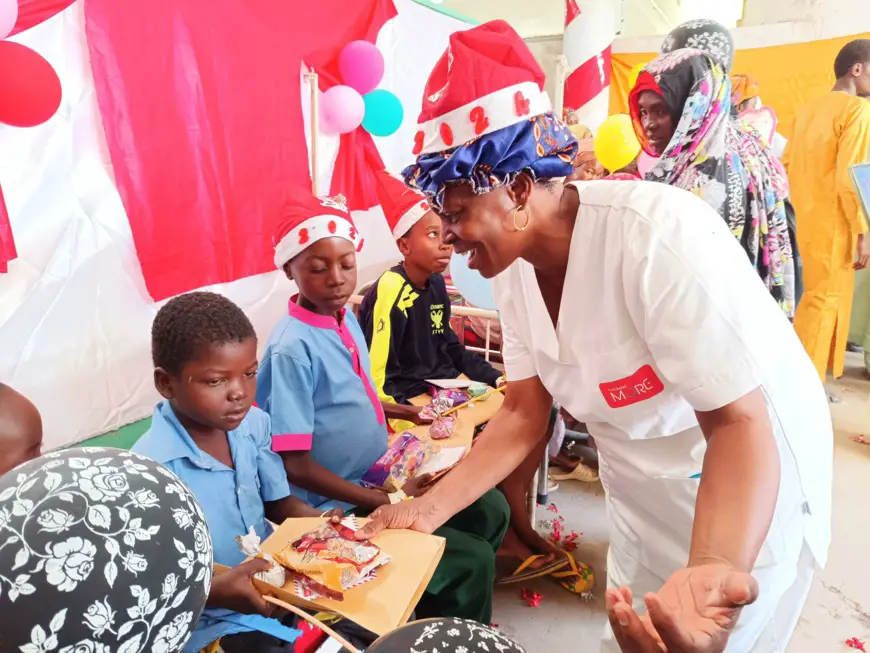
column 839, row 604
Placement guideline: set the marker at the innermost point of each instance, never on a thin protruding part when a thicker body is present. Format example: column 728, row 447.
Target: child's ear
column 288, row 271
column 163, row 383
column 404, row 246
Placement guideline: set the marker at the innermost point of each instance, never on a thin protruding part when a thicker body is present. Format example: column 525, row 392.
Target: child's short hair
column 188, row 322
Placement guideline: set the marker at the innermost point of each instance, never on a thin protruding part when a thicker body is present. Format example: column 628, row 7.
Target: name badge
column 640, row 386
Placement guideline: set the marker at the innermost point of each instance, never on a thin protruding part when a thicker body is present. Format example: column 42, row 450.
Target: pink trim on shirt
column 291, row 442
column 329, row 322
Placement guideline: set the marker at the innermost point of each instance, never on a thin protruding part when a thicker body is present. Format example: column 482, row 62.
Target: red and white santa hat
column 402, row 206
column 306, row 220
column 487, row 80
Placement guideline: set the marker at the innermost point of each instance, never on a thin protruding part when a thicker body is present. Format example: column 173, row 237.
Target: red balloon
column 29, row 88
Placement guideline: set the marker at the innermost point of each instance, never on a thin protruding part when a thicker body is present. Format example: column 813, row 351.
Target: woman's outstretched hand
column 414, row 514
column 693, row 612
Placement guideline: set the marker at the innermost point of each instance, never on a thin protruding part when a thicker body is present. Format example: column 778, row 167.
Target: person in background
column 681, row 110
column 586, row 167
column 859, row 322
column 706, row 35
column 328, row 423
column 617, row 148
column 208, row 434
column 831, row 134
column 405, row 316
column 20, row 429
column 746, row 101
column 571, row 118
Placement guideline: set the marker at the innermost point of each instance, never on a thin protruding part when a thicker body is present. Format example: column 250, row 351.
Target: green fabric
column 462, row 585
column 124, row 438
column 859, row 323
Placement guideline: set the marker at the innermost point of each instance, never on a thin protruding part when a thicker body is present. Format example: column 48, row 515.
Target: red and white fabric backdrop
column 590, row 27
column 192, row 185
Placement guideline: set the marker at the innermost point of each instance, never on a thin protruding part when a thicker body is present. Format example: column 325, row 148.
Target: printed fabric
column 543, row 146
column 723, row 161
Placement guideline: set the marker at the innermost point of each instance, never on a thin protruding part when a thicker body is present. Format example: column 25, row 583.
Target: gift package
column 400, row 463
column 375, row 583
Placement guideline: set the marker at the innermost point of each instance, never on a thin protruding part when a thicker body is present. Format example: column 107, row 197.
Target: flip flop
column 581, row 472
column 520, row 574
column 582, row 575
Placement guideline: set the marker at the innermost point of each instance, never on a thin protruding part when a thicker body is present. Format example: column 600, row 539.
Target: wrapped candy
column 442, row 427
column 478, row 389
column 331, row 560
column 250, row 545
column 400, row 463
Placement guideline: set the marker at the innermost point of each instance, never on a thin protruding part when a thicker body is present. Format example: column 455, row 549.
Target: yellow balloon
column 634, row 74
column 616, row 144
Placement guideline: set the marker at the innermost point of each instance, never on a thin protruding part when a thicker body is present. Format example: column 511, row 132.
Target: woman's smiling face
column 482, row 227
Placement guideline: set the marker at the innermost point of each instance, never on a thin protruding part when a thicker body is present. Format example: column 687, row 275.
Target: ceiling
column 529, row 17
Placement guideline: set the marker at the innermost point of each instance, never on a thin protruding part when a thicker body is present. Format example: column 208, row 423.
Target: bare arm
column 509, row 437
column 303, row 472
column 739, row 484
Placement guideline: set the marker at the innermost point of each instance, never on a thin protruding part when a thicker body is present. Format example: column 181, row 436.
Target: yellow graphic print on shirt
column 436, row 312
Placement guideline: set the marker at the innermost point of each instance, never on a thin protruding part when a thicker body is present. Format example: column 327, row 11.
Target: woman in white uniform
column 633, row 306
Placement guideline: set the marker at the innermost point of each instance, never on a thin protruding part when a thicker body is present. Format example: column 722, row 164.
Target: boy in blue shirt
column 328, row 422
column 206, row 431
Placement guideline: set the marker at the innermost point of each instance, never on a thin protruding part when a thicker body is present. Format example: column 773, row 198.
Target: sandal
column 520, row 574
column 581, row 472
column 583, row 578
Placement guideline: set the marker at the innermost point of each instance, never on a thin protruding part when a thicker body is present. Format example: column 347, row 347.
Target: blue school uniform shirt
column 232, row 500
column 315, row 383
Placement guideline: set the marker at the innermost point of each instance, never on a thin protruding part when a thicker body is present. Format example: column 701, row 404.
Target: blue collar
column 174, row 441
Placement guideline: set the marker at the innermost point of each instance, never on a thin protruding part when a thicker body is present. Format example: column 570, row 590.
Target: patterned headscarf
column 722, row 161
column 543, row 146
column 705, row 35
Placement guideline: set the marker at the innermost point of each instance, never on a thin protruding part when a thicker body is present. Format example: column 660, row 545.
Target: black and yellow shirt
column 410, row 339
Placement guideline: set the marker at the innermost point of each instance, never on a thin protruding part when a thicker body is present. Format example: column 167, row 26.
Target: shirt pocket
column 629, row 393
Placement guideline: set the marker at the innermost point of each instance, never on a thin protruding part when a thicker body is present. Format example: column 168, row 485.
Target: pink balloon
column 8, row 17
column 361, row 65
column 341, row 110
column 645, row 163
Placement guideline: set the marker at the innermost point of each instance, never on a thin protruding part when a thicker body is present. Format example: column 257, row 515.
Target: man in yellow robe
column 831, row 134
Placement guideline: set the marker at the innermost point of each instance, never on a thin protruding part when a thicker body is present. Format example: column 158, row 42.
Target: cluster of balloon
column 103, row 551
column 31, row 89
column 358, row 101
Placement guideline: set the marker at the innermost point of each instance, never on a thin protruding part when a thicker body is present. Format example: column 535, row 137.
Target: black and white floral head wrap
column 705, row 35
column 101, row 551
column 445, row 636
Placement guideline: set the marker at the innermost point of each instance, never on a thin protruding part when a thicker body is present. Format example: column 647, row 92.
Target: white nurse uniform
column 662, row 315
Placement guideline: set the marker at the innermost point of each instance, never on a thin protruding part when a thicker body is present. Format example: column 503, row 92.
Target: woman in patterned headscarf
column 705, row 35
column 681, row 110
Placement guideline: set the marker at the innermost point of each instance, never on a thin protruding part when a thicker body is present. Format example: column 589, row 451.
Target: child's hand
column 335, row 515
column 234, row 589
column 417, row 487
column 417, row 418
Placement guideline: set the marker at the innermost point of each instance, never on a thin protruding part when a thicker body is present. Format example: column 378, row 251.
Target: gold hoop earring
column 528, row 218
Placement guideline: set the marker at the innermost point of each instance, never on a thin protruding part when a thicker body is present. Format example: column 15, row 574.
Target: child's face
column 20, row 430
column 325, row 274
column 217, row 387
column 422, row 247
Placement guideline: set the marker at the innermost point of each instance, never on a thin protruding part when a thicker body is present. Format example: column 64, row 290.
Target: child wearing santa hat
column 406, row 315
column 328, row 423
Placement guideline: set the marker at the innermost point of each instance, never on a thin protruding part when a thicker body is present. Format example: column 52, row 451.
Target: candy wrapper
column 442, row 427
column 400, row 463
column 478, row 389
column 250, row 545
column 328, row 560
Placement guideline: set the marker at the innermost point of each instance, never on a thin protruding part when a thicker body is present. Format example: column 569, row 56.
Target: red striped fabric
column 588, row 80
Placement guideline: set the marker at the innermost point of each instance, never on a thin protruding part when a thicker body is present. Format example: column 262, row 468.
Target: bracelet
column 397, row 497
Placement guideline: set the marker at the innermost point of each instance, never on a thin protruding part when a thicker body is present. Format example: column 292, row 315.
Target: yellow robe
column 831, row 134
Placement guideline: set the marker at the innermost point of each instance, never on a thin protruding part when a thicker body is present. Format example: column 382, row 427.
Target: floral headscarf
column 722, row 161
column 705, row 35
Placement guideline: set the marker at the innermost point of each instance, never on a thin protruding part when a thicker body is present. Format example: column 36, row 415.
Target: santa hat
column 487, row 80
column 306, row 220
column 402, row 206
